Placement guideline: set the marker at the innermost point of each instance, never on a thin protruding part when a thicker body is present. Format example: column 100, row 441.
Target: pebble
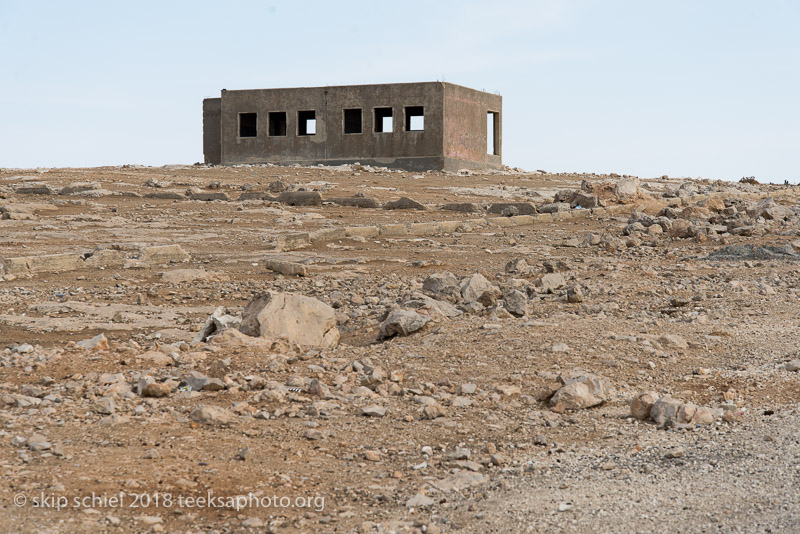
column 675, row 452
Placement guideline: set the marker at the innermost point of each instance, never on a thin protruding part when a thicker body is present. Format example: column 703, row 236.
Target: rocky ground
column 353, row 349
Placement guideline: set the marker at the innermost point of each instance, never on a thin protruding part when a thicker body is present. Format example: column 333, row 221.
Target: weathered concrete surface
column 453, row 137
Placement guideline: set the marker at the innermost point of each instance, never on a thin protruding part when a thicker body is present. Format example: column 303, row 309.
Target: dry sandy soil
column 451, row 428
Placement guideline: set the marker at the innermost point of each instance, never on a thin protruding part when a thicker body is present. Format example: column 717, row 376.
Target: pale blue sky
column 686, row 87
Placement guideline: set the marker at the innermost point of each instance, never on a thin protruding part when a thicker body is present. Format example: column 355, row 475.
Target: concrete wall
column 400, row 148
column 212, row 145
column 454, row 134
column 465, row 128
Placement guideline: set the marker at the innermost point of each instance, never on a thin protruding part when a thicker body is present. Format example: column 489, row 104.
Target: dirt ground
column 461, row 436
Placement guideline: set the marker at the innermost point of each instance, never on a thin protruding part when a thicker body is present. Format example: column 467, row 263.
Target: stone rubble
column 421, row 369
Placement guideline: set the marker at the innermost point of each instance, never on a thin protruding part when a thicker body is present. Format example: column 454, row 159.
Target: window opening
column 352, row 121
column 306, row 122
column 248, row 123
column 383, row 120
column 277, row 124
column 415, row 118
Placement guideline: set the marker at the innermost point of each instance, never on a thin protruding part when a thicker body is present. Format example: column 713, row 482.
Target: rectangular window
column 248, row 124
column 306, row 123
column 383, row 120
column 415, row 118
column 352, row 121
column 277, row 123
column 493, row 133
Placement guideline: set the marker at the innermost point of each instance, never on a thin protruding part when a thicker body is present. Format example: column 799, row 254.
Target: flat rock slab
column 166, row 195
column 206, row 196
column 257, row 195
column 163, row 254
column 355, row 202
column 522, row 208
column 461, row 207
column 177, row 276
column 403, row 203
column 49, row 263
column 460, row 480
column 35, row 189
column 300, row 198
column 753, row 252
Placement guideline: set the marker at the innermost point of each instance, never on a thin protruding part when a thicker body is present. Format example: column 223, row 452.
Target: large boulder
column 580, row 392
column 441, row 284
column 665, row 410
column 627, row 187
column 477, row 288
column 584, row 200
column 642, row 404
column 402, row 323
column 516, row 302
column 298, row 319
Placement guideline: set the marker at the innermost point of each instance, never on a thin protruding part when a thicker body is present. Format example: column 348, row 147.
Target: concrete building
column 414, row 126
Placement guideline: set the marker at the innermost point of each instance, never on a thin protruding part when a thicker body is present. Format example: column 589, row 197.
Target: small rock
column 432, row 411
column 793, row 365
column 314, row 435
column 419, row 501
column 373, row 411
column 467, row 389
column 104, row 406
column 37, row 442
column 253, row 522
column 214, row 384
column 551, row 282
column 574, row 295
column 156, row 390
column 498, row 459
column 460, row 453
column 211, row 415
column 98, row 342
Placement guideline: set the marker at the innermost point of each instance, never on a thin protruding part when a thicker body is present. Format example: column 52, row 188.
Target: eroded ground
column 461, row 435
